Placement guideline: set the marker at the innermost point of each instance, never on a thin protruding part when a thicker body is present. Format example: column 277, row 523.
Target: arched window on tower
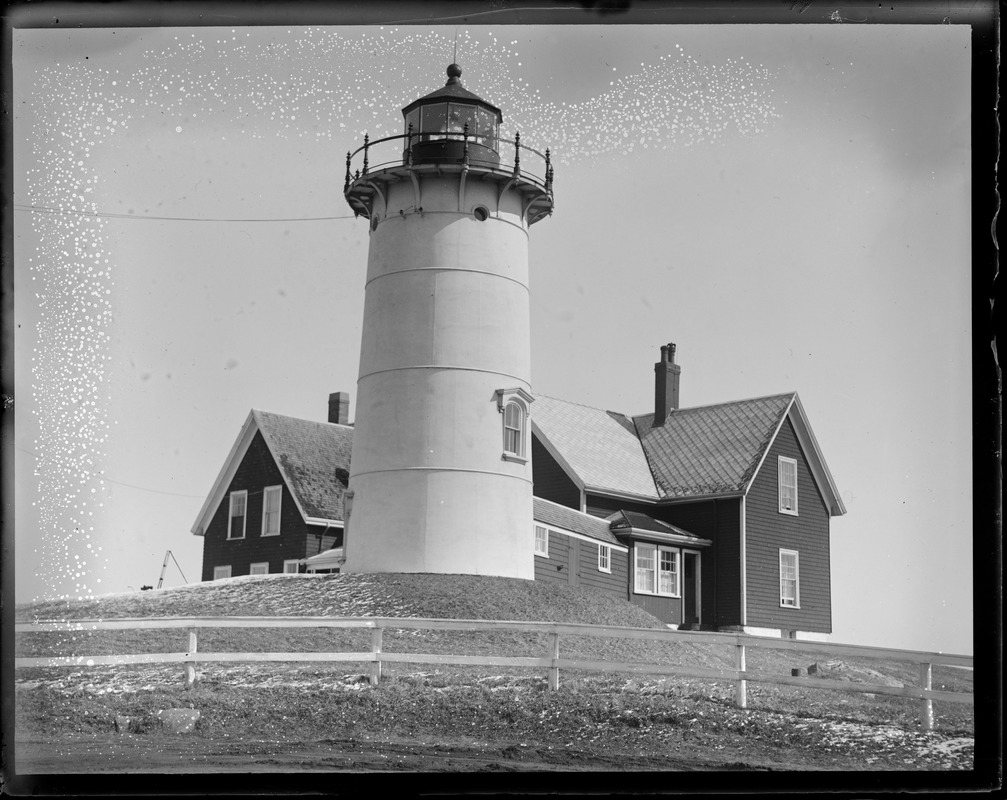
column 513, row 405
column 513, row 429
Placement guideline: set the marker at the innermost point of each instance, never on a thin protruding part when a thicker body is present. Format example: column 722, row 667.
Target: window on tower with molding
column 514, row 405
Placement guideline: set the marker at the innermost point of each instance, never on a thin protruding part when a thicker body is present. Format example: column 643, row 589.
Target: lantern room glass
column 448, row 120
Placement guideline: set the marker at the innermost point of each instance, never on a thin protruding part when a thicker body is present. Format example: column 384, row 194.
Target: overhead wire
column 117, row 215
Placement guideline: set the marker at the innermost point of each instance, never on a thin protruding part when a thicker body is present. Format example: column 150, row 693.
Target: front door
column 690, row 588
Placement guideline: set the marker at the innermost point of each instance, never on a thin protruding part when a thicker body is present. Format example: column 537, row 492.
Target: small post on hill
column 741, row 687
column 376, row 640
column 190, row 666
column 926, row 704
column 554, row 655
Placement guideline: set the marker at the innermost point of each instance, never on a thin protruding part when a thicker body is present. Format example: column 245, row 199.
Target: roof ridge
column 301, row 419
column 580, row 405
column 788, row 395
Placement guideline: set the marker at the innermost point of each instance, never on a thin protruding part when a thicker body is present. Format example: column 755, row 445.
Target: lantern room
column 450, row 123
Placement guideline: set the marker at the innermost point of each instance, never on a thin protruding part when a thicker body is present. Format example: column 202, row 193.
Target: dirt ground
column 113, row 753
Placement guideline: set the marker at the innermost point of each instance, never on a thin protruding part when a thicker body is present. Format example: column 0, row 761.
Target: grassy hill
column 490, row 716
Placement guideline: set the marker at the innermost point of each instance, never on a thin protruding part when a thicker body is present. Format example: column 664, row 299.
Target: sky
column 789, row 204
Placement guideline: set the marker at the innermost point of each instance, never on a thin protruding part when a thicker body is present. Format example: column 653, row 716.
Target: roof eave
column 812, row 452
column 667, row 500
column 819, row 469
column 663, row 538
column 225, row 475
column 555, row 453
column 616, row 494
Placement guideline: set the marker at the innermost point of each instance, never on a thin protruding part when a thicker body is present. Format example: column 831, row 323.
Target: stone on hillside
column 178, row 720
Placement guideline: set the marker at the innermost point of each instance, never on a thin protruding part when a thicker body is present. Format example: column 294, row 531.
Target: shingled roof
column 569, row 519
column 623, row 522
column 600, row 447
column 711, row 449
column 314, row 458
column 697, row 452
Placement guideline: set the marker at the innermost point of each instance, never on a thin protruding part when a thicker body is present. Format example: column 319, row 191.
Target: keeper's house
column 714, row 517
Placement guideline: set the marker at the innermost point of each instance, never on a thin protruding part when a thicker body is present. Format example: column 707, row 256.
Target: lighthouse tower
column 440, row 475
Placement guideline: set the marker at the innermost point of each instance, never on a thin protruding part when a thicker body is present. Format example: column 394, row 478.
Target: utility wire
column 114, row 215
column 130, row 485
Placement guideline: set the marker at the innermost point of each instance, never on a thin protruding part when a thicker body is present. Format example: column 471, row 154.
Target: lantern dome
column 450, row 123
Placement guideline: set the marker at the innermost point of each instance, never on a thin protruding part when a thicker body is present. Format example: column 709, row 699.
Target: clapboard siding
column 666, row 609
column 555, row 568
column 614, row 582
column 767, row 530
column 603, row 507
column 549, row 480
column 720, row 564
column 257, row 471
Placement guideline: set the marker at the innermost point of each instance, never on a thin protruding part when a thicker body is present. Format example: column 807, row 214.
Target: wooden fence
column 549, row 660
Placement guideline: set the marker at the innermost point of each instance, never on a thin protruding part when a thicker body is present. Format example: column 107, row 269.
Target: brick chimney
column 339, row 408
column 666, row 375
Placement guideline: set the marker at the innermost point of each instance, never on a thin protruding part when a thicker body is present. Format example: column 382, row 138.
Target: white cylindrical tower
column 441, row 467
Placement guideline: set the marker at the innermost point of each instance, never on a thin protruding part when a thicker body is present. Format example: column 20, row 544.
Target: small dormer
column 451, row 123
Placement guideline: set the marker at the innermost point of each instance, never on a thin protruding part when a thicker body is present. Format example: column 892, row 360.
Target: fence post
column 926, row 705
column 554, row 655
column 376, row 639
column 190, row 666
column 741, row 687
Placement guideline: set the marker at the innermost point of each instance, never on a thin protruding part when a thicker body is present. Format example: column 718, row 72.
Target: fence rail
column 549, row 661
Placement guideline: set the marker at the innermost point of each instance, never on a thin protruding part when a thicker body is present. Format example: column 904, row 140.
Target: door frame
column 697, row 584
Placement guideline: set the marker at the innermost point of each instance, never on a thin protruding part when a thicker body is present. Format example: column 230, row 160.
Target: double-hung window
column 657, row 570
column 271, row 497
column 790, row 579
column 513, row 429
column 260, row 568
column 221, row 572
column 604, row 558
column 788, row 485
column 541, row 541
column 236, row 515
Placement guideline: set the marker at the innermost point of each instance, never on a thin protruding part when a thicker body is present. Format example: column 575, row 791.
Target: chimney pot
column 339, row 408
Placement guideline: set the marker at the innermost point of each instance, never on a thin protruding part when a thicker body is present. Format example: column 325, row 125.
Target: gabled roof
column 705, row 451
column 600, row 449
column 313, row 458
column 711, row 449
column 549, row 513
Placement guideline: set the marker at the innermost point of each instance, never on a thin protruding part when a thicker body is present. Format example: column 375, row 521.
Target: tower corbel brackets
column 377, row 189
column 503, row 190
column 416, row 187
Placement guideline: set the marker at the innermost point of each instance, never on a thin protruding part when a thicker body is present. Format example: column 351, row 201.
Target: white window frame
column 542, row 541
column 784, row 597
column 519, row 400
column 276, row 491
column 291, row 562
column 787, row 466
column 219, row 573
column 259, row 565
column 640, row 584
column 513, row 429
column 604, row 558
column 243, row 494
